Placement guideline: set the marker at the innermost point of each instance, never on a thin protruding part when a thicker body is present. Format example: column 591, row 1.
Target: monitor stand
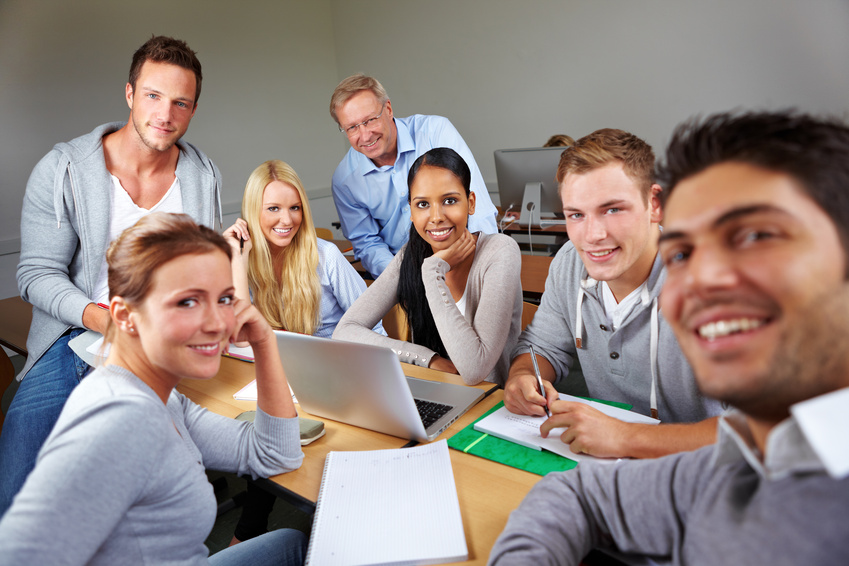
column 530, row 202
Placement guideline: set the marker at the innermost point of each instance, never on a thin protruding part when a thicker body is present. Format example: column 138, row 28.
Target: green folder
column 538, row 462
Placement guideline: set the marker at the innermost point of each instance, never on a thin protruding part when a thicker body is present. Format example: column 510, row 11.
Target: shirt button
column 614, row 356
column 603, row 327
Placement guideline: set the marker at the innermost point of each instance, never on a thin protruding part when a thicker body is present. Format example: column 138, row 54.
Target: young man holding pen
column 600, row 307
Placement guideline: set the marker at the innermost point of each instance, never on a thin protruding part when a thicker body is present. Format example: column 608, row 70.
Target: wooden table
column 537, row 230
column 15, row 320
column 343, row 245
column 487, row 491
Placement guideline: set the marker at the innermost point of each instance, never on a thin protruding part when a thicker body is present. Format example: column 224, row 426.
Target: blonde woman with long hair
column 297, row 281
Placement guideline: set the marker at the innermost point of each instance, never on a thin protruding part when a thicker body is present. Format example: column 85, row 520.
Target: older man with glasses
column 370, row 184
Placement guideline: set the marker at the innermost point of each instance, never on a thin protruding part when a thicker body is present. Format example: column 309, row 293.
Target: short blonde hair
column 291, row 298
column 351, row 86
column 608, row 146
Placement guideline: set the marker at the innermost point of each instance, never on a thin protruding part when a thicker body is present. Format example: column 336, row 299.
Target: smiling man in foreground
column 756, row 240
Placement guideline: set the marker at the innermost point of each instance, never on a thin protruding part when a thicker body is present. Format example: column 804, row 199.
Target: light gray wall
column 269, row 68
column 508, row 73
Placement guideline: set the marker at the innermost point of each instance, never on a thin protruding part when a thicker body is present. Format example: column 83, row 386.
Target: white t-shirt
column 461, row 304
column 617, row 312
column 124, row 213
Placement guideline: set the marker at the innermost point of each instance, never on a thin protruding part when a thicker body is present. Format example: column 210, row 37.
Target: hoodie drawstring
column 579, row 323
column 653, row 336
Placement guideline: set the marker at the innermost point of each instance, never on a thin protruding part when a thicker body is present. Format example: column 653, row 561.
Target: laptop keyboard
column 431, row 412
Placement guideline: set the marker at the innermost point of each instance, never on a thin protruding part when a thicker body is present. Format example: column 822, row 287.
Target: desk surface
column 552, row 230
column 343, row 245
column 487, row 491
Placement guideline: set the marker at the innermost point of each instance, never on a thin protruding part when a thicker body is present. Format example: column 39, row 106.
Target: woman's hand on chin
column 251, row 327
column 457, row 252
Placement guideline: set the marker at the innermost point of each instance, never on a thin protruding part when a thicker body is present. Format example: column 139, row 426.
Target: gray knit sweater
column 718, row 505
column 616, row 363
column 120, row 479
column 478, row 341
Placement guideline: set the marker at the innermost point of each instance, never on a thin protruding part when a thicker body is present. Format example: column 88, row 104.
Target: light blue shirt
column 372, row 201
column 340, row 287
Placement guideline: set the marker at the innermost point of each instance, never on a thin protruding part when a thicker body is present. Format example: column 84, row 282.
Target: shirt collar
column 824, row 421
column 404, row 140
column 793, row 446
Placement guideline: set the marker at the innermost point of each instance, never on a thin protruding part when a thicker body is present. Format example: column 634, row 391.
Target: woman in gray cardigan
column 461, row 292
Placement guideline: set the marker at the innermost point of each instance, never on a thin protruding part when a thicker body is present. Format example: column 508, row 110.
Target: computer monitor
column 527, row 184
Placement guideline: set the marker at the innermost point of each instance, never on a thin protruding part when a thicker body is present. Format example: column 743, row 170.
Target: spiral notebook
column 388, row 507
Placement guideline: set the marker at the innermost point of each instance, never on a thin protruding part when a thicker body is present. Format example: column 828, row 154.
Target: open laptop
column 365, row 386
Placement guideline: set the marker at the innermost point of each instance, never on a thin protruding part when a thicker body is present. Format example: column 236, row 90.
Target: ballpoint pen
column 539, row 380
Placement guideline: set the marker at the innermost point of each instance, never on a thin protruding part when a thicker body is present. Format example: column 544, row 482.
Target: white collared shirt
column 814, row 438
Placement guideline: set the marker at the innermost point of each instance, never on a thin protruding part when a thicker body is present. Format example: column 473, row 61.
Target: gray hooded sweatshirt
column 617, row 364
column 65, row 229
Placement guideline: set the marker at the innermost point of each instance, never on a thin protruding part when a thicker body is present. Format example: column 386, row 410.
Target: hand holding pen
column 239, row 238
column 539, row 380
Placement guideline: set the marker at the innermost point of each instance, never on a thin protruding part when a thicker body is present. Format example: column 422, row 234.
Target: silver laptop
column 365, row 386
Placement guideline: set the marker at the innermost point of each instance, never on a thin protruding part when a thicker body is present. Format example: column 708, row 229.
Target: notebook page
column 249, row 393
column 388, row 506
column 524, row 429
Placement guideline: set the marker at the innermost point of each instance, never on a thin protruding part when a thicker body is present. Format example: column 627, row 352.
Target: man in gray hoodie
column 756, row 245
column 79, row 198
column 600, row 307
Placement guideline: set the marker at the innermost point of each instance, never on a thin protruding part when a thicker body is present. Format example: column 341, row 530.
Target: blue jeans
column 33, row 412
column 283, row 547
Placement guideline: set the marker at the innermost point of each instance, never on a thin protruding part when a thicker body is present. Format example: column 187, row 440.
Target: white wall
column 508, row 73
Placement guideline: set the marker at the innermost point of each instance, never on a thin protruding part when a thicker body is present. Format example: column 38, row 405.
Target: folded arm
column 357, row 324
column 475, row 348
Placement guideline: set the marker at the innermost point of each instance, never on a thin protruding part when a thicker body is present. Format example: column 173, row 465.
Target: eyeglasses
column 370, row 123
